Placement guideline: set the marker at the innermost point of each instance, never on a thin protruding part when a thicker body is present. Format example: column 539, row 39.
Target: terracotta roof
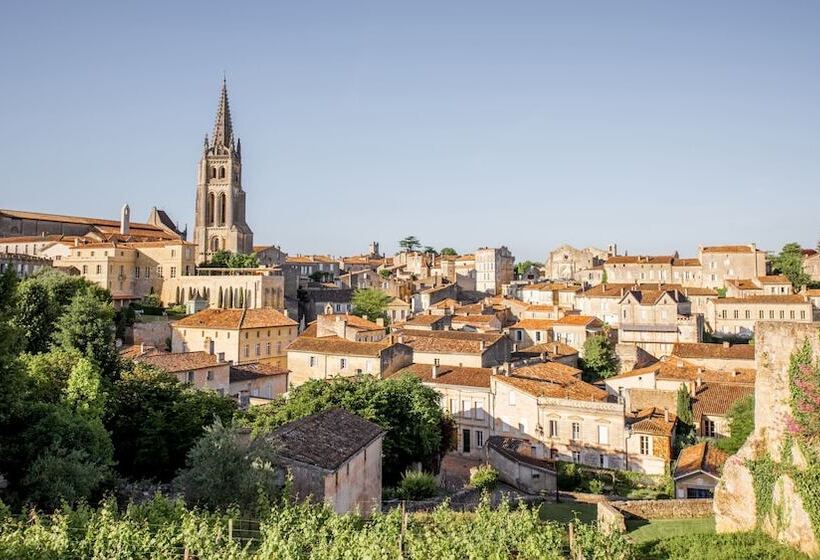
column 784, row 299
column 728, row 249
column 247, row 372
column 449, row 375
column 140, row 228
column 641, row 259
column 325, row 440
column 426, row 320
column 474, row 319
column 703, row 457
column 541, row 307
column 813, row 293
column 338, row 346
column 686, row 262
column 743, row 284
column 449, row 342
column 680, row 369
column 546, row 371
column 135, row 350
column 236, row 319
column 310, row 259
column 39, row 238
column 533, row 324
column 606, row 290
column 652, row 297
column 580, row 320
column 774, row 279
column 354, row 321
column 652, row 421
column 699, row 292
column 714, row 351
column 551, row 287
column 180, row 361
column 552, row 349
column 558, row 385
column 445, row 304
column 519, row 450
column 715, row 399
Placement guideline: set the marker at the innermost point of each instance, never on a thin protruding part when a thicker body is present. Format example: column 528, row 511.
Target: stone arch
column 209, row 210
column 222, row 172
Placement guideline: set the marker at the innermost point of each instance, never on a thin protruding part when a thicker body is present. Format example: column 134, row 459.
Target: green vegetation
column 485, row 477
column 410, row 243
column 227, row 259
column 522, row 267
column 641, row 531
column 448, row 251
column 600, row 359
column 741, row 418
column 417, row 430
column 370, row 303
column 565, row 512
column 415, row 485
column 730, row 546
column 789, row 262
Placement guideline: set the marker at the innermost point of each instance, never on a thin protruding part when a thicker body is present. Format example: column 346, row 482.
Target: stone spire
column 223, row 129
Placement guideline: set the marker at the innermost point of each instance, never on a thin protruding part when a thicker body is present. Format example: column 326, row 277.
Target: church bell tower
column 220, row 200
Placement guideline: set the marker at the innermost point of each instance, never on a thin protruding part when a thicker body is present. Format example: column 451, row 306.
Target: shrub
column 485, row 478
column 570, row 476
column 596, row 486
column 416, row 485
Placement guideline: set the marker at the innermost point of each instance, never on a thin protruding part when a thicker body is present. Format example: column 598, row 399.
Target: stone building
column 457, row 348
column 697, row 470
column 657, row 319
column 737, row 317
column 650, row 434
column 564, row 263
column 335, row 457
column 725, row 356
column 518, row 465
column 23, row 265
column 494, row 267
column 575, row 329
column 220, row 201
column 236, row 335
column 202, row 370
column 251, row 288
column 257, row 383
column 723, row 262
column 811, row 264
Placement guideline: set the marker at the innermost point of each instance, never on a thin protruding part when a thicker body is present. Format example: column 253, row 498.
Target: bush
column 485, row 478
column 570, row 476
column 416, row 485
column 596, row 486
column 748, row 546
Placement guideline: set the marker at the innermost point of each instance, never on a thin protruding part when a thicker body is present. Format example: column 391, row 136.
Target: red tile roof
column 449, row 375
column 652, row 421
column 236, row 319
column 180, row 361
column 714, row 351
column 703, row 457
column 338, row 346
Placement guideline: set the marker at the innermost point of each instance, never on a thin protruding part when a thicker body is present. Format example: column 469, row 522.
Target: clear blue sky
column 653, row 125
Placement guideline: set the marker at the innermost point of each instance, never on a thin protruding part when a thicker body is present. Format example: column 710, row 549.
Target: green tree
column 410, row 243
column 154, row 420
column 11, row 378
column 741, row 417
column 61, row 475
column 371, row 303
column 228, row 259
column 684, row 406
column 87, row 325
column 220, row 259
column 600, row 359
column 84, row 389
column 151, row 300
column 789, row 262
column 522, row 267
column 430, row 250
column 385, row 273
column 604, row 277
column 35, row 315
column 47, row 373
column 224, row 471
column 409, row 411
column 449, row 251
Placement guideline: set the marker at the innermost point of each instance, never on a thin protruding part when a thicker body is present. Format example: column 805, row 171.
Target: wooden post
column 186, row 555
column 230, row 528
column 403, row 529
column 571, row 540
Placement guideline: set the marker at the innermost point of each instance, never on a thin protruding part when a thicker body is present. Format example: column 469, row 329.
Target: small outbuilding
column 517, row 464
column 698, row 470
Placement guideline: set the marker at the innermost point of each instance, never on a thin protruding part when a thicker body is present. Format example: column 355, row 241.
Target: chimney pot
column 666, row 414
column 726, row 344
column 435, row 371
column 698, row 382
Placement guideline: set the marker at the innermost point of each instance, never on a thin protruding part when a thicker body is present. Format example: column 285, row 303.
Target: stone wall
column 610, row 519
column 153, row 333
column 734, row 504
column 664, row 509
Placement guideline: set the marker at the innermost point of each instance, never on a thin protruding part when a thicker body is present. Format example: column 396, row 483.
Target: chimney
column 482, row 345
column 380, row 321
column 434, row 370
column 698, row 382
column 142, row 348
column 401, row 339
column 285, row 313
column 726, row 344
column 543, row 356
column 665, row 414
column 735, row 373
column 680, row 364
column 700, row 370
column 125, row 220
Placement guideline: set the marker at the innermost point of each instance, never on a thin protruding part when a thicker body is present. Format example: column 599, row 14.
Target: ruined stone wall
column 735, row 505
column 665, row 509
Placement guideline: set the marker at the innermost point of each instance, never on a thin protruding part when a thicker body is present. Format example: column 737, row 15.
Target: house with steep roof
column 457, row 348
column 350, row 327
column 330, row 356
column 575, row 329
column 547, row 351
column 650, row 433
column 428, row 322
column 527, row 332
column 697, row 470
column 656, row 319
column 334, row 457
column 711, row 404
column 201, row 369
column 236, row 335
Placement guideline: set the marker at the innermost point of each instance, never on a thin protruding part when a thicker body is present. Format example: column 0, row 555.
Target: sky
column 658, row 126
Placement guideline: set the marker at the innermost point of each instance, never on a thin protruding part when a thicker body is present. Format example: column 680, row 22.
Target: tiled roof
column 180, row 361
column 559, row 385
column 533, row 324
column 580, row 320
column 774, row 279
column 541, row 307
column 551, row 287
column 338, row 346
column 139, row 228
column 703, row 457
column 546, row 371
column 743, row 284
column 426, row 320
column 476, row 319
column 686, row 262
column 641, row 259
column 445, row 304
column 325, row 440
column 236, row 319
column 38, row 238
column 652, row 421
column 449, row 342
column 784, row 299
column 552, row 349
column 652, row 297
column 310, row 259
column 247, row 372
column 714, row 351
column 354, row 321
column 688, row 292
column 135, row 350
column 519, row 450
column 715, row 399
column 729, row 249
column 449, row 375
column 679, row 369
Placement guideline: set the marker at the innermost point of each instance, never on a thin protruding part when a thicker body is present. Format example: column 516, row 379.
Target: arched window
column 213, row 172
column 214, row 244
column 222, row 207
column 209, row 211
column 222, row 172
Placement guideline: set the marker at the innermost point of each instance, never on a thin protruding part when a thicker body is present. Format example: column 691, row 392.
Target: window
column 709, row 428
column 453, row 406
column 189, row 377
column 247, row 351
column 505, row 424
column 771, row 314
column 782, row 314
column 479, row 438
column 209, row 376
column 602, row 461
column 748, row 314
column 99, row 269
column 736, row 314
column 576, row 456
column 537, row 336
column 159, row 272
column 85, row 269
column 519, row 335
column 465, row 408
column 803, row 314
column 343, row 363
column 173, row 272
column 576, row 430
column 479, row 411
column 645, row 445
column 762, row 314
column 148, row 272
column 512, row 398
column 522, row 425
column 258, row 349
column 136, row 272
column 603, row 435
column 791, row 314
column 553, row 428
column 267, row 348
column 313, row 361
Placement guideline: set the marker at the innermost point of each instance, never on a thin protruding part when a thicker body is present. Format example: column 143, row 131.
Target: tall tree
column 410, row 243
column 88, row 327
column 370, row 303
column 448, row 251
column 741, row 417
column 789, row 262
column 600, row 359
column 84, row 389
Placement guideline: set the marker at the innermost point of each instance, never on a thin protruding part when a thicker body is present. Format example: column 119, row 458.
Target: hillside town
column 593, row 365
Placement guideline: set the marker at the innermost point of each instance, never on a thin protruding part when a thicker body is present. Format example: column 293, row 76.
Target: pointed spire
column 223, row 129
